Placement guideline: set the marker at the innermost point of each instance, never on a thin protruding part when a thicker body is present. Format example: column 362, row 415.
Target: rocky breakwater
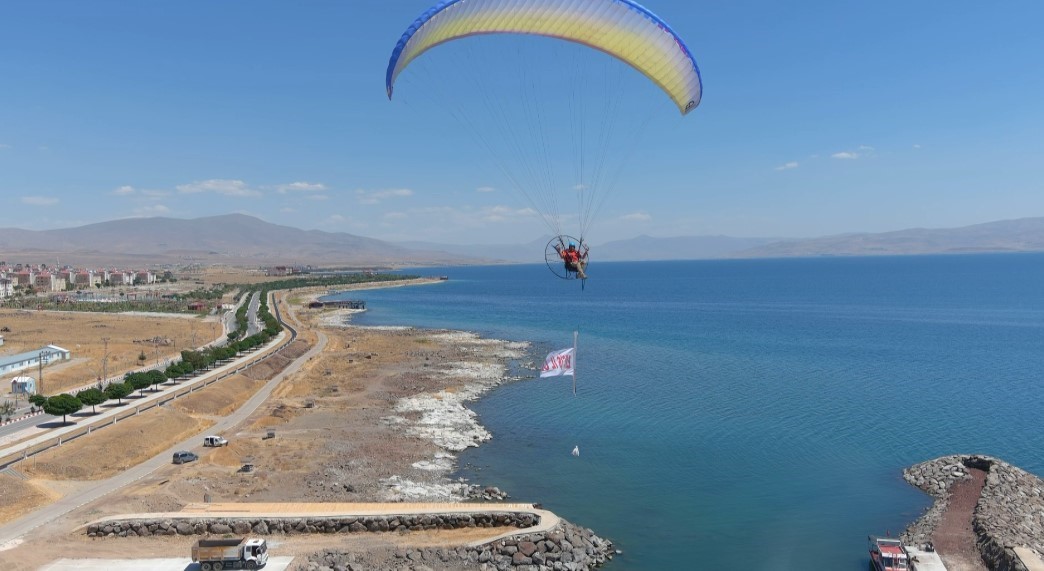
column 1010, row 512
column 197, row 525
column 566, row 547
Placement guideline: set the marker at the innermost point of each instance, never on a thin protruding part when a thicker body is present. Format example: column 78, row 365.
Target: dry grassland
column 19, row 497
column 219, row 399
column 112, row 450
column 83, row 335
column 229, row 275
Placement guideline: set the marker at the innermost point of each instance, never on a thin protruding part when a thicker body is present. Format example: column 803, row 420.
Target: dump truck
column 233, row 553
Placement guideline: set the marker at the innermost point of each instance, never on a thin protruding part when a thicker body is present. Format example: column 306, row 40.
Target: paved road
column 96, row 490
column 174, row 564
column 253, row 324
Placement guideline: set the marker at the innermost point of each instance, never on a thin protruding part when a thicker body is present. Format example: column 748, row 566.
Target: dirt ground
column 85, row 334
column 332, row 442
column 954, row 538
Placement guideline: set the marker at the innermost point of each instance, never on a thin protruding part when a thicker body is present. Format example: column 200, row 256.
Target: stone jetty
column 1009, row 514
column 566, row 547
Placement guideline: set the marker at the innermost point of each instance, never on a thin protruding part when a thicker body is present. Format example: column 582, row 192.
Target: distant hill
column 234, row 239
column 679, row 248
column 528, row 253
column 237, row 239
column 641, row 248
column 1022, row 235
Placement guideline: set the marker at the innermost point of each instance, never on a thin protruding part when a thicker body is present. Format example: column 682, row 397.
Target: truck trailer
column 234, row 553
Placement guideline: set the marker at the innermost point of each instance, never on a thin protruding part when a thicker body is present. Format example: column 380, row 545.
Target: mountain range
column 238, row 239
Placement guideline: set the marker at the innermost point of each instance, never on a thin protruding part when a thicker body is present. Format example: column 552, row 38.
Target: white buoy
column 576, row 451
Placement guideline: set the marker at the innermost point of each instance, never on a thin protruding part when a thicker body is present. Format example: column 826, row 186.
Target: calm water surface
column 748, row 414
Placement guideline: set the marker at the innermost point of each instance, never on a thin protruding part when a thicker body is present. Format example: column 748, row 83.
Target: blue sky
column 817, row 118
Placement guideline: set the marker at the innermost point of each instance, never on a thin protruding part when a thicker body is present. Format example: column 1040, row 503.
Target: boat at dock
column 890, row 554
column 887, row 554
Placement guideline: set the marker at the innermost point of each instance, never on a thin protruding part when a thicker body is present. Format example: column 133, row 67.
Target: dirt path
column 954, row 538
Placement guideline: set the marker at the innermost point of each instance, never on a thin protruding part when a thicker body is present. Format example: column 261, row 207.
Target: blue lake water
column 748, row 414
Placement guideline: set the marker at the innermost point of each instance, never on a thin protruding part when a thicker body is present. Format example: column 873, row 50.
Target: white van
column 214, row 441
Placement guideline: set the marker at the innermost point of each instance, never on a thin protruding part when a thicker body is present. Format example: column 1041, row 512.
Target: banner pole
column 574, row 362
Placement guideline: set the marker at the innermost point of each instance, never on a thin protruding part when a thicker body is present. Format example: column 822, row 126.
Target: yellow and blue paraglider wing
column 620, row 28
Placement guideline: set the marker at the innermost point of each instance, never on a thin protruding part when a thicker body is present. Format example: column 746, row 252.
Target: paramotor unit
column 558, row 264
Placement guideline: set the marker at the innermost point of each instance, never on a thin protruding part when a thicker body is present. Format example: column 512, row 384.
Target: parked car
column 214, row 441
column 184, row 457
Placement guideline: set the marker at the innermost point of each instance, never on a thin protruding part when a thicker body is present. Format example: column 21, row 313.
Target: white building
column 29, row 359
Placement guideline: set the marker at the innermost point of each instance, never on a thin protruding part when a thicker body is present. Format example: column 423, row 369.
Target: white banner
column 558, row 363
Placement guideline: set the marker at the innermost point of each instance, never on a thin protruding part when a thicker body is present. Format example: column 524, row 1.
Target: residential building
column 46, row 282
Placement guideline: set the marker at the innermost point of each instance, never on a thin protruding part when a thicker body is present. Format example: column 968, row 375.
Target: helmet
column 572, row 244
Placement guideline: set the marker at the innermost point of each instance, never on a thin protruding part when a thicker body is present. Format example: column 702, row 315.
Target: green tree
column 118, row 391
column 156, row 378
column 140, row 381
column 92, row 397
column 37, row 399
column 63, row 405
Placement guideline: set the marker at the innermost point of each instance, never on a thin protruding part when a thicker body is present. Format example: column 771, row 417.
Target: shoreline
column 464, row 367
column 379, row 415
column 443, row 417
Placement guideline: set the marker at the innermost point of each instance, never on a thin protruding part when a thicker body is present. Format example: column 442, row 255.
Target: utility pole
column 39, row 386
column 105, row 361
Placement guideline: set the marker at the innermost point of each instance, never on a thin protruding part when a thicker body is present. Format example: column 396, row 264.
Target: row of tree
column 66, row 404
column 191, row 361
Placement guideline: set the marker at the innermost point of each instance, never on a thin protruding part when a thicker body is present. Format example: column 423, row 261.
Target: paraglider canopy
column 620, row 28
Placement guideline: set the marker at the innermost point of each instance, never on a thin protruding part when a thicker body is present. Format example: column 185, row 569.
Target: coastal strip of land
column 377, row 416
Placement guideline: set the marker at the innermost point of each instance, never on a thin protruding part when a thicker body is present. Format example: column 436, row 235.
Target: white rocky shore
column 443, row 418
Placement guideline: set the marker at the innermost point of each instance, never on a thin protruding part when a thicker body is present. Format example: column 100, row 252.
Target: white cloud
column 300, row 187
column 154, row 210
column 636, row 217
column 128, row 190
column 4, row 147
column 916, row 146
column 335, row 218
column 226, row 187
column 376, row 196
column 860, row 152
column 396, row 216
column 287, row 210
column 485, row 189
column 579, row 187
column 318, row 197
column 503, row 213
column 39, row 200
column 787, row 166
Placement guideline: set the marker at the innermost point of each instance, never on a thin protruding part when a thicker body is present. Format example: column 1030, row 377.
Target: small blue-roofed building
column 29, row 359
column 23, row 386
